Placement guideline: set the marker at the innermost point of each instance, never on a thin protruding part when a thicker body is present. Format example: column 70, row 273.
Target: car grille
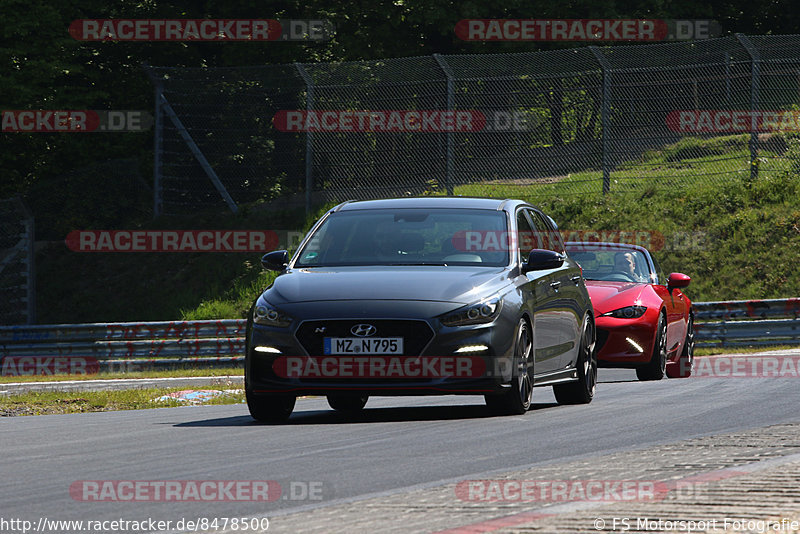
column 416, row 334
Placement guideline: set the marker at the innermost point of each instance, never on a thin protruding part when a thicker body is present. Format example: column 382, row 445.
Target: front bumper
column 483, row 372
column 625, row 342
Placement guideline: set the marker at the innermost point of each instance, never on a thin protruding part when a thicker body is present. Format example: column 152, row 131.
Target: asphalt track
column 399, row 443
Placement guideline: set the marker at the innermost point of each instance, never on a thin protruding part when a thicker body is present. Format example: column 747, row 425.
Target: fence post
column 198, row 154
column 604, row 120
column 309, row 139
column 755, row 85
column 448, row 180
column 727, row 77
column 157, row 144
column 30, row 233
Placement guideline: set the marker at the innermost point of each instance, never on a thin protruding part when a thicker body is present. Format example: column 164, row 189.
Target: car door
column 569, row 295
column 544, row 286
column 567, row 280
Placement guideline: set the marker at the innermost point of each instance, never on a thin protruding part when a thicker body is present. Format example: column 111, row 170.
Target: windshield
column 403, row 237
column 612, row 264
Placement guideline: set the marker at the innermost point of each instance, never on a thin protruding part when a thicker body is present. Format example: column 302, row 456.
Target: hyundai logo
column 363, row 330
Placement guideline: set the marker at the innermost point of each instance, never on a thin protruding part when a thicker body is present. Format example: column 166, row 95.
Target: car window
column 549, row 238
column 612, row 264
column 526, row 237
column 658, row 276
column 408, row 237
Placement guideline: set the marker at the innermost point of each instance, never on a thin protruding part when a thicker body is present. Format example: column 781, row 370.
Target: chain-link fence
column 16, row 263
column 580, row 121
column 105, row 194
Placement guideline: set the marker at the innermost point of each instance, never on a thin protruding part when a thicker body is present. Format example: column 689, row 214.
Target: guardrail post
column 448, row 180
column 755, row 79
column 604, row 118
column 309, row 135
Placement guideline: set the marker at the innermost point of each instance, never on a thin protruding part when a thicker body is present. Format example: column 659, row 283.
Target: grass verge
column 172, row 373
column 60, row 402
column 715, row 351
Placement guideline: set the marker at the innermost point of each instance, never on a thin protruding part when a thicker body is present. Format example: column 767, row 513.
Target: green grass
column 714, row 351
column 737, row 238
column 227, row 371
column 59, row 402
column 689, row 164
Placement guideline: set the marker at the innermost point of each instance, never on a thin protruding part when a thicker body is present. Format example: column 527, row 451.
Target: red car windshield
column 612, row 264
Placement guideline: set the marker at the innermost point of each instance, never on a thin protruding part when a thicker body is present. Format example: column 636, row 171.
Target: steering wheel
column 619, row 276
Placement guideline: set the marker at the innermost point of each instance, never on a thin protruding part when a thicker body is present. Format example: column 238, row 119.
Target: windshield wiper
column 440, row 264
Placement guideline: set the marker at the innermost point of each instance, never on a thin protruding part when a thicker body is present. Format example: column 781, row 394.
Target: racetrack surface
column 397, row 445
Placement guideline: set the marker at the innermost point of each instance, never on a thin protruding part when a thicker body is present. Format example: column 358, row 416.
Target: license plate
column 363, row 345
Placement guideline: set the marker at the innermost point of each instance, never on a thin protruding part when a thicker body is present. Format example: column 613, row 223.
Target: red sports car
column 644, row 322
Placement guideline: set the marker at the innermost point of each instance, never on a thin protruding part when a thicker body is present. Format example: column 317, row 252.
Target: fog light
column 635, row 344
column 472, row 348
column 271, row 350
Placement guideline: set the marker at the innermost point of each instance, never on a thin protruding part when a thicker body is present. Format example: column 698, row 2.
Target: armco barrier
column 129, row 346
column 747, row 323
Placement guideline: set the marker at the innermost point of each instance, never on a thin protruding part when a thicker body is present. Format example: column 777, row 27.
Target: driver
column 626, row 262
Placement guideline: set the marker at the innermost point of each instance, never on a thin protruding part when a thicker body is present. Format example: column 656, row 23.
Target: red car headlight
column 628, row 312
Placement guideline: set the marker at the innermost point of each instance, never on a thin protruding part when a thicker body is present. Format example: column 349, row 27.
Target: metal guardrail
column 123, row 346
column 747, row 323
column 130, row 346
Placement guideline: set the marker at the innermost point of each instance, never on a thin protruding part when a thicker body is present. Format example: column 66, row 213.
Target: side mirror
column 678, row 280
column 276, row 260
column 540, row 260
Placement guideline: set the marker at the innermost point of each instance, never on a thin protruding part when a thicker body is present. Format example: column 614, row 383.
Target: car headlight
column 628, row 312
column 485, row 311
column 267, row 315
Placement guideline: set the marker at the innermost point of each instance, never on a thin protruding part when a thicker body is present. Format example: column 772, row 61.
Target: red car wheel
column 685, row 364
column 656, row 368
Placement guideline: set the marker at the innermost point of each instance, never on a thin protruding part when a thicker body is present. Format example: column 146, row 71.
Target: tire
column 347, row 403
column 656, row 368
column 264, row 408
column 582, row 391
column 685, row 365
column 270, row 409
column 517, row 399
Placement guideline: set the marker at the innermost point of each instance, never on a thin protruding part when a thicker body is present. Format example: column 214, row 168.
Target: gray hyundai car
column 422, row 296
